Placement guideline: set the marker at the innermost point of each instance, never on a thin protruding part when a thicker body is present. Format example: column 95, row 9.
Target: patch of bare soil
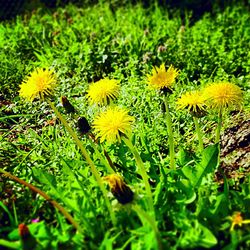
column 235, row 150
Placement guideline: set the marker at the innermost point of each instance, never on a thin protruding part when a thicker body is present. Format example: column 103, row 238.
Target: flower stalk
column 142, row 172
column 199, row 133
column 46, row 197
column 219, row 126
column 87, row 158
column 142, row 214
column 170, row 134
column 106, row 162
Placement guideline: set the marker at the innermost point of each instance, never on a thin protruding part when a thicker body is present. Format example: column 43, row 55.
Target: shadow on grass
column 11, row 8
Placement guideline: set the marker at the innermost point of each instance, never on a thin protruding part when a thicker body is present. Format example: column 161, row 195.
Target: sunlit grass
column 142, row 177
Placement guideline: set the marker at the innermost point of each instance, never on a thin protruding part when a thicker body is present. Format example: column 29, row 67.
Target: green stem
column 102, row 159
column 87, row 158
column 199, row 133
column 45, row 196
column 152, row 223
column 142, row 172
column 217, row 139
column 112, row 168
column 94, row 143
column 170, row 135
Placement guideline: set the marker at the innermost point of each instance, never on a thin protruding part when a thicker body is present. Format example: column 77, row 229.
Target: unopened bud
column 69, row 108
column 83, row 125
column 119, row 188
column 28, row 241
column 24, row 231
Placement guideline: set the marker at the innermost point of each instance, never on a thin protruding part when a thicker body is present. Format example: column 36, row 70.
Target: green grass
column 83, row 45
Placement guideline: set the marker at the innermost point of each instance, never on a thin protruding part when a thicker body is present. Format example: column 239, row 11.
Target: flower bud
column 69, row 108
column 83, row 125
column 24, row 231
column 119, row 188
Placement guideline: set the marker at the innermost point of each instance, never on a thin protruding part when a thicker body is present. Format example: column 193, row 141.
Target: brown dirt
column 235, row 150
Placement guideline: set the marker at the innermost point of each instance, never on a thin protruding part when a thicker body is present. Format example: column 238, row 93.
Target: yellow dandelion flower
column 237, row 219
column 222, row 95
column 112, row 124
column 39, row 83
column 119, row 188
column 194, row 101
column 160, row 78
column 102, row 91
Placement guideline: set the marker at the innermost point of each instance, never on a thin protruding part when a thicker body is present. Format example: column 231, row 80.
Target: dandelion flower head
column 162, row 78
column 115, row 181
column 223, row 95
column 194, row 101
column 39, row 83
column 112, row 124
column 119, row 188
column 102, row 91
column 237, row 219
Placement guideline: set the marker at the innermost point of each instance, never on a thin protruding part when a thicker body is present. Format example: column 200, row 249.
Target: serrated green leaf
column 207, row 165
